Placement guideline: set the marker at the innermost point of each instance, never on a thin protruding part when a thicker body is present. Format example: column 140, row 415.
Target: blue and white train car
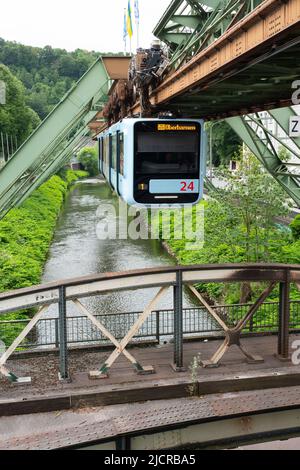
column 154, row 162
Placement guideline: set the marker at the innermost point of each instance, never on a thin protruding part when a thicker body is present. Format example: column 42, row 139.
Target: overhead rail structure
column 188, row 26
column 249, row 68
column 228, row 58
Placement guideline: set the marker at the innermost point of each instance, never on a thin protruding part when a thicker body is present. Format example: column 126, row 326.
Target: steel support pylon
column 264, row 143
column 54, row 141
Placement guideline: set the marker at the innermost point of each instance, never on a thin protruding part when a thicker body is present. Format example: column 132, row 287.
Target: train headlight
column 143, row 187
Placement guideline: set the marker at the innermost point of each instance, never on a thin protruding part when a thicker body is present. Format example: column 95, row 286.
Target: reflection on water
column 76, row 251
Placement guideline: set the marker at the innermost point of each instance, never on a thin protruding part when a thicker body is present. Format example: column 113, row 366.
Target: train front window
column 167, row 153
column 167, row 161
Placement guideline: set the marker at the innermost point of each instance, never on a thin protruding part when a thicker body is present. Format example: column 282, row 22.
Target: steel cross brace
column 121, row 346
column 233, row 335
column 4, row 358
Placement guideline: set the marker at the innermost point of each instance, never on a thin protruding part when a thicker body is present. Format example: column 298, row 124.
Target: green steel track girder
column 190, row 21
column 46, row 149
column 282, row 117
column 54, row 165
column 55, row 161
column 189, row 26
column 265, row 151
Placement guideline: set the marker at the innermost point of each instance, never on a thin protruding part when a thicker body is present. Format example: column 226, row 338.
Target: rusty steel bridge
column 242, row 375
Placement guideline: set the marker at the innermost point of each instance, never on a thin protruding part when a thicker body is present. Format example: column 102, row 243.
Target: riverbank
column 26, row 234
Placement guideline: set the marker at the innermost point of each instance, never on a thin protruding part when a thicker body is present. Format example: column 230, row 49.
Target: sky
column 71, row 24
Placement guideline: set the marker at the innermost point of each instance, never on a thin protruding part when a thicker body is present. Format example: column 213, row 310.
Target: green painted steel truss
column 57, row 138
column 188, row 26
column 266, row 145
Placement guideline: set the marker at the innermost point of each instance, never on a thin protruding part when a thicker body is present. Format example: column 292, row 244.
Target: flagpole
column 125, row 33
column 137, row 21
column 129, row 25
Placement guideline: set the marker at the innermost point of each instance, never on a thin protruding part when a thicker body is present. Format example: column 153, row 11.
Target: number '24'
column 185, row 187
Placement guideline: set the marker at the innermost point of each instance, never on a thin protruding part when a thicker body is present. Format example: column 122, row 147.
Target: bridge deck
column 124, row 385
column 143, row 424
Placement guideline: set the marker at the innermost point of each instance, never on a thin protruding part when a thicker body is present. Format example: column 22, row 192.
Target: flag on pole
column 125, row 32
column 129, row 21
column 125, row 26
column 136, row 11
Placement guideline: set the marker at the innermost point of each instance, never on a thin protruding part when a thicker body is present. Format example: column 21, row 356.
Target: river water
column 76, row 251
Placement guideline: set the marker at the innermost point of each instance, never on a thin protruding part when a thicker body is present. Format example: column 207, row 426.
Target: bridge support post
column 178, row 325
column 63, row 344
column 284, row 319
column 233, row 335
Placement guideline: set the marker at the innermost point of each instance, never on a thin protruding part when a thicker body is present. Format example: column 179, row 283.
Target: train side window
column 121, row 147
column 103, row 150
column 106, row 150
column 114, row 151
column 100, row 143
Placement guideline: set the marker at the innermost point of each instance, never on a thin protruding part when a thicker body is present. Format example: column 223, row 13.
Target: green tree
column 46, row 73
column 42, row 69
column 295, row 227
column 16, row 118
column 88, row 157
column 226, row 143
column 240, row 226
column 255, row 199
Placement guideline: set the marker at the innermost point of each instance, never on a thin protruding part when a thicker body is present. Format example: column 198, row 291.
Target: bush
column 25, row 236
column 295, row 227
column 88, row 158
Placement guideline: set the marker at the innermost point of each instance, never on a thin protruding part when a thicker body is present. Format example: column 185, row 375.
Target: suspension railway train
column 154, row 162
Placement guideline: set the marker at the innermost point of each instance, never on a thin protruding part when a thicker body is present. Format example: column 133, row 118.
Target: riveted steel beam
column 238, row 51
column 196, row 24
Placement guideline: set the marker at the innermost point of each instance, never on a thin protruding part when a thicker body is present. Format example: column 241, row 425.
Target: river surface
column 77, row 251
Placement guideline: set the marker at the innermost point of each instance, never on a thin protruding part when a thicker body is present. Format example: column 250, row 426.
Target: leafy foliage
column 46, row 73
column 295, row 227
column 25, row 236
column 26, row 233
column 88, row 158
column 16, row 118
column 239, row 228
column 226, row 142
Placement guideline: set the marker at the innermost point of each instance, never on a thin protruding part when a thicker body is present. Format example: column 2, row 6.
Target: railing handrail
column 175, row 277
column 160, row 325
column 70, row 282
column 136, row 312
column 161, row 310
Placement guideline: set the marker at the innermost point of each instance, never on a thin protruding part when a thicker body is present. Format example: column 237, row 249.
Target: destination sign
column 176, row 127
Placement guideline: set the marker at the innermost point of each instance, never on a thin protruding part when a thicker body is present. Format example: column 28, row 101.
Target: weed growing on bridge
column 194, row 368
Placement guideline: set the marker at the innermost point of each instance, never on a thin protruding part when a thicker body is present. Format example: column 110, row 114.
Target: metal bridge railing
column 158, row 327
column 230, row 322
